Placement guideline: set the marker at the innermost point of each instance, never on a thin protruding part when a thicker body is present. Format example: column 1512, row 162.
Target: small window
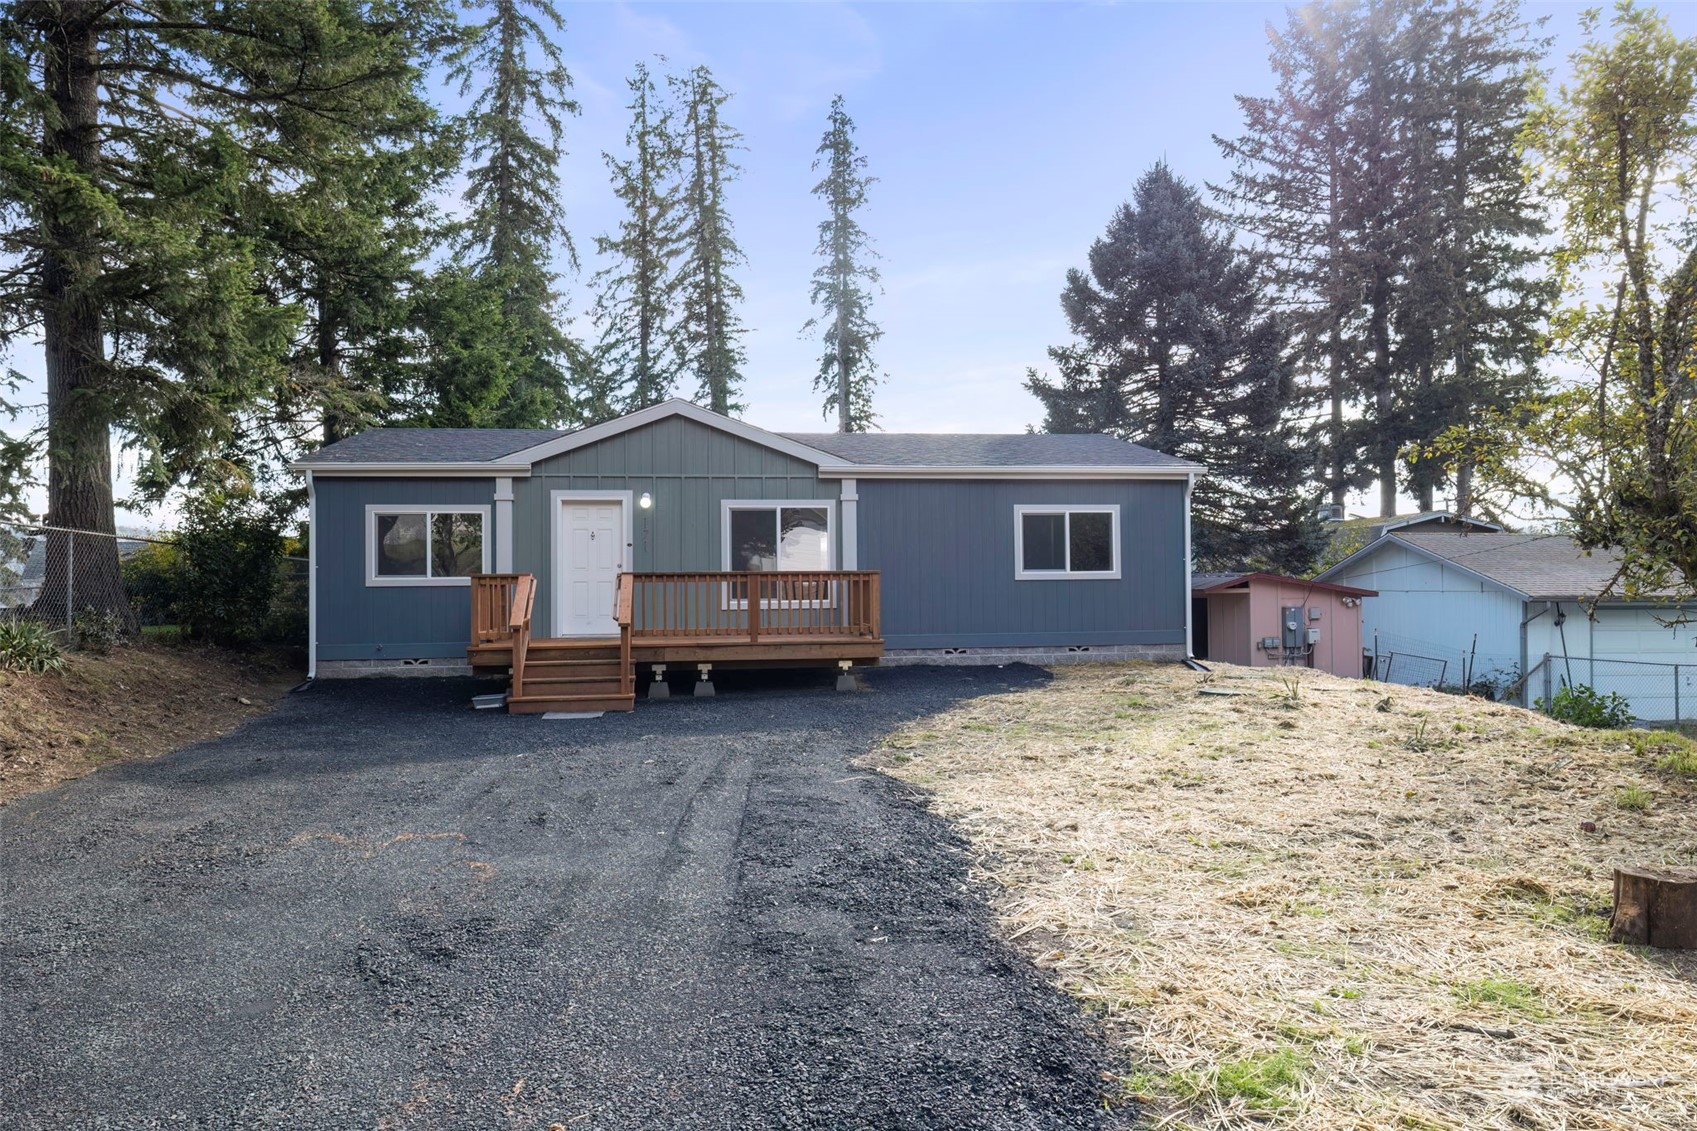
column 779, row 538
column 773, row 538
column 1066, row 542
column 425, row 547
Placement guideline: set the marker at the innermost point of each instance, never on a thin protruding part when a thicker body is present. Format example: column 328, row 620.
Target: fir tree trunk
column 79, row 452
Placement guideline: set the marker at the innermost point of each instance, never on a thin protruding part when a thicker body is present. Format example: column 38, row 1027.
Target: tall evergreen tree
column 1176, row 350
column 134, row 137
column 638, row 362
column 514, row 131
column 846, row 373
column 710, row 331
column 1384, row 180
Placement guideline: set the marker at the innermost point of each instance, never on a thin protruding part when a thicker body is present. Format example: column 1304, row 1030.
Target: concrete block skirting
column 1042, row 656
column 360, row 669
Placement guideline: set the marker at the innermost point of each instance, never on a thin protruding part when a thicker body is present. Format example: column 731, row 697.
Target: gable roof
column 512, row 451
column 1535, row 567
column 986, row 450
column 1205, row 583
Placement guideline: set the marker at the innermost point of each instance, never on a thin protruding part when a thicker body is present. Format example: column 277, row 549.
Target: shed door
column 588, row 561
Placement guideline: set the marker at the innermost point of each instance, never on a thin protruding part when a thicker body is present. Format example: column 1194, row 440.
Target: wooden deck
column 726, row 619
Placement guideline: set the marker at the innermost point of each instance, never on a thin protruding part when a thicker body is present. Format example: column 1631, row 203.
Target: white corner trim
column 627, row 560
column 504, row 524
column 851, row 525
column 1189, row 641
column 1020, row 573
column 311, row 577
column 372, row 510
column 663, row 411
column 992, row 471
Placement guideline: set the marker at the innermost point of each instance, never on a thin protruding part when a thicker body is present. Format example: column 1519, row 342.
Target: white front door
column 588, row 561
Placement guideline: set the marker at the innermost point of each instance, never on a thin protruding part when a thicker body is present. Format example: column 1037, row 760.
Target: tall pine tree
column 638, row 359
column 710, row 331
column 514, row 131
column 135, row 137
column 1383, row 178
column 1176, row 350
column 846, row 372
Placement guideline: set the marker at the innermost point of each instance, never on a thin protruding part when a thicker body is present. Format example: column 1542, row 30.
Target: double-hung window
column 1066, row 542
column 779, row 537
column 425, row 545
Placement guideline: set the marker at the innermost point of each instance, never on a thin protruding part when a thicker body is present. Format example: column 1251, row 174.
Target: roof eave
column 404, row 470
column 996, row 471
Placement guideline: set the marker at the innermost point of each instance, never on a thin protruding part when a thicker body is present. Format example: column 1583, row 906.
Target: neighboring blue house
column 986, row 547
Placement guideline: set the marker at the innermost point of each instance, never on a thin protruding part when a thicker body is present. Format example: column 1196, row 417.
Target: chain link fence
column 82, row 582
column 1659, row 694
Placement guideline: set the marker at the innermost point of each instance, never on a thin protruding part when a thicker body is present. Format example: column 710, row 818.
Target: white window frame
column 372, row 510
column 829, row 506
column 1068, row 509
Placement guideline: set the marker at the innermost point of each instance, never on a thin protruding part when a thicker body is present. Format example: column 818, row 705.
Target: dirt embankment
column 1307, row 902
column 139, row 701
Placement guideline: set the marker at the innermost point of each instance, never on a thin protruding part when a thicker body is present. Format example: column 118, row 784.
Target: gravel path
column 378, row 909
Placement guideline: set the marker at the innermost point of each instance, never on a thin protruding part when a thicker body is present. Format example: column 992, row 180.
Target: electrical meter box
column 1290, row 625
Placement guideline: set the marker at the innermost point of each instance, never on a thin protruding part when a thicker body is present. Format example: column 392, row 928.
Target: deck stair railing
column 518, row 624
column 622, row 602
column 755, row 607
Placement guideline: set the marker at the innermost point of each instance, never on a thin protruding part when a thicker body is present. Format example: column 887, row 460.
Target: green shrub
column 229, row 548
column 98, row 630
column 1587, row 707
column 153, row 579
column 28, row 646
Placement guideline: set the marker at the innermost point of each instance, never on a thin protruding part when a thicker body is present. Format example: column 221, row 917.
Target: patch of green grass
column 1633, row 798
column 1673, row 752
column 1504, row 993
column 1268, row 1081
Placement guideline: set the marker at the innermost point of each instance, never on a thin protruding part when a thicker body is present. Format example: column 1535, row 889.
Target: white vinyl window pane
column 401, row 545
column 1090, row 539
column 1044, row 542
column 806, row 539
column 754, row 540
column 456, row 544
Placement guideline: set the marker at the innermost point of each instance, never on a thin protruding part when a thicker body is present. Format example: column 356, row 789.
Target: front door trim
column 556, row 503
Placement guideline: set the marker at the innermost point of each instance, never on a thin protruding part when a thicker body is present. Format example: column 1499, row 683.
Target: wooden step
column 586, row 682
column 573, row 643
column 537, row 704
column 609, row 667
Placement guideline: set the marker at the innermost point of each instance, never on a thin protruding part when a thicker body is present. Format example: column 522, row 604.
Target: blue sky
column 1003, row 136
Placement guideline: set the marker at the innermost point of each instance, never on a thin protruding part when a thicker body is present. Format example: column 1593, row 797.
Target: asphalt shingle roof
column 1545, row 567
column 964, row 449
column 430, row 445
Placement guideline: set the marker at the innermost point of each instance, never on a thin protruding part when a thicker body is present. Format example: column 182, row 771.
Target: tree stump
column 1655, row 907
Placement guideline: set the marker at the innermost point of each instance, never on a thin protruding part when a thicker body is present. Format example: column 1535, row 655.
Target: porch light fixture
column 646, row 501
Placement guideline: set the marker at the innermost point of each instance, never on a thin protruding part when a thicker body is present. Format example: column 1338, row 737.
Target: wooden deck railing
column 491, row 606
column 518, row 623
column 756, row 607
column 622, row 602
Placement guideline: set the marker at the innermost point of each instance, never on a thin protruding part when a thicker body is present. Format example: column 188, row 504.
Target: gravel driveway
column 376, row 908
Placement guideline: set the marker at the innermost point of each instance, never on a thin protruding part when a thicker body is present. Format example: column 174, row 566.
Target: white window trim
column 726, row 506
column 372, row 510
column 1022, row 574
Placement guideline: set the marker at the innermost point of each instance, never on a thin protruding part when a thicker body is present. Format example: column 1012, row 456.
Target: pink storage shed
column 1264, row 620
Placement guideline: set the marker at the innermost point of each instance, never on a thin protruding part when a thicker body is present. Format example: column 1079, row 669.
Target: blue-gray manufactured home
column 689, row 525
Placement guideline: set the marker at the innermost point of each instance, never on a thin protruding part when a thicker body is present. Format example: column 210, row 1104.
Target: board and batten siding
column 946, row 552
column 688, row 468
column 357, row 621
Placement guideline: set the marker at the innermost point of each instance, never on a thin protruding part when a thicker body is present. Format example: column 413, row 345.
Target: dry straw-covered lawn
column 1309, row 902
